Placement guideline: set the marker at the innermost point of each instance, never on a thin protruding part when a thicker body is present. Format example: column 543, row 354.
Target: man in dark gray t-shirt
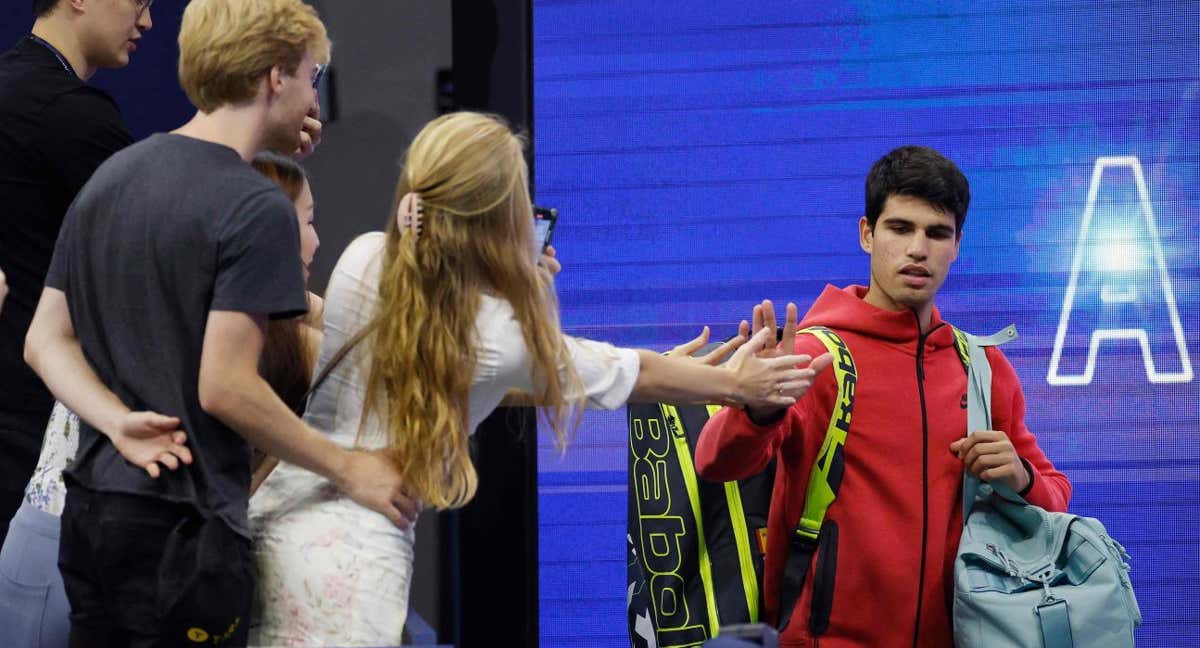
column 169, row 263
column 167, row 230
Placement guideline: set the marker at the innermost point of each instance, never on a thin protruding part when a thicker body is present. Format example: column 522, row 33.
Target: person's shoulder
column 78, row 107
column 84, row 100
column 1002, row 368
column 363, row 249
column 808, row 343
column 361, row 261
column 238, row 185
column 368, row 243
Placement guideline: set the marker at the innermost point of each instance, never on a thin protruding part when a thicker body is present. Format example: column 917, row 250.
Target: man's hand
column 3, row 290
column 772, row 382
column 147, row 439
column 310, row 133
column 372, row 480
column 764, row 317
column 764, row 323
column 990, row 456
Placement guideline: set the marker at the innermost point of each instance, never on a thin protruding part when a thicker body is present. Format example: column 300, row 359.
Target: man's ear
column 274, row 81
column 866, row 235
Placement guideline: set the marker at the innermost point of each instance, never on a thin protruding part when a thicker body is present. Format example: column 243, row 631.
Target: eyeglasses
column 317, row 76
column 143, row 5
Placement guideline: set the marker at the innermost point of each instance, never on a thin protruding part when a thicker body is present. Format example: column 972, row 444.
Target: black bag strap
column 825, row 479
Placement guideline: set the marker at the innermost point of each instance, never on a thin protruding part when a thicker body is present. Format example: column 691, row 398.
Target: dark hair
column 283, row 171
column 43, row 7
column 920, row 172
column 287, row 359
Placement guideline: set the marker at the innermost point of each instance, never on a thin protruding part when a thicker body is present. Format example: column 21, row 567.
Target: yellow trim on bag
column 820, row 495
column 684, row 453
column 741, row 536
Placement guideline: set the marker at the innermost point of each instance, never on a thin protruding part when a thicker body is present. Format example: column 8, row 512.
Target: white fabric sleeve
column 608, row 372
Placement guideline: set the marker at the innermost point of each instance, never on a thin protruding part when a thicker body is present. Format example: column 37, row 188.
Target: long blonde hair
column 469, row 171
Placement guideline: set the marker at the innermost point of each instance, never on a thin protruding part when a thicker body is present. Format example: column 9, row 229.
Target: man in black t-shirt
column 57, row 130
column 170, row 262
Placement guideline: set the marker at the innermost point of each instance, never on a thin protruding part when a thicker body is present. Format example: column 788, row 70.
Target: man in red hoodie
column 887, row 579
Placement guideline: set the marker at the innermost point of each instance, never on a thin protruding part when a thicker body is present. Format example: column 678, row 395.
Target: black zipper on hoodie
column 921, row 337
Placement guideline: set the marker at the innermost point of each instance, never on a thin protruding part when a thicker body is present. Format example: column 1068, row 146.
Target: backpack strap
column 824, row 480
column 973, row 355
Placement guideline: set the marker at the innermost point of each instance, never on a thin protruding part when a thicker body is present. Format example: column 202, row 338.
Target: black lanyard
column 53, row 50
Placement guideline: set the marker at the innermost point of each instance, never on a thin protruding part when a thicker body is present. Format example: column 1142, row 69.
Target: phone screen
column 544, row 220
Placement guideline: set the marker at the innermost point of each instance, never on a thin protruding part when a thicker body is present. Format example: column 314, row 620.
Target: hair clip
column 410, row 213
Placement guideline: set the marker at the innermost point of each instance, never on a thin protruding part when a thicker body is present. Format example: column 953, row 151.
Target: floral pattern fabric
column 46, row 489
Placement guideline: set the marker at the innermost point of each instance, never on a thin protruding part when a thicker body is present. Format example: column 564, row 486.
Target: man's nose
column 918, row 246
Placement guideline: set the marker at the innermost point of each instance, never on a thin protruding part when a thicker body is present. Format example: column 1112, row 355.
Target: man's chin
column 117, row 62
column 915, row 297
column 282, row 146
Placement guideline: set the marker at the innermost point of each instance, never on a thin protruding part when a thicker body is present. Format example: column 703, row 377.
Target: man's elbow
column 35, row 346
column 217, row 397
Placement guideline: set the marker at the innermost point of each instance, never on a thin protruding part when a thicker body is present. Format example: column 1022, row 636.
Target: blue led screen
column 705, row 155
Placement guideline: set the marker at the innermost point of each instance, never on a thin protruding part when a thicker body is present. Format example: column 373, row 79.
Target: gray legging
column 33, row 605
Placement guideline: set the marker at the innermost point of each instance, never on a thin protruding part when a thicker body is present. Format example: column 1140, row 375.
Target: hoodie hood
column 843, row 309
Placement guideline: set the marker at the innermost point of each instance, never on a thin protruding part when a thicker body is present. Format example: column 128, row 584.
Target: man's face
column 112, row 29
column 293, row 99
column 911, row 248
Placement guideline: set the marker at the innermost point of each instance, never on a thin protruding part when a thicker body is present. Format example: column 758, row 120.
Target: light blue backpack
column 1025, row 577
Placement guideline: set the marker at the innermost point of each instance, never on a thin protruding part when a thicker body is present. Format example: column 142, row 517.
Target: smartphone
column 544, row 219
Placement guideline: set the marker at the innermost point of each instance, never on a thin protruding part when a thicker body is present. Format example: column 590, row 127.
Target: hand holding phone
column 544, row 220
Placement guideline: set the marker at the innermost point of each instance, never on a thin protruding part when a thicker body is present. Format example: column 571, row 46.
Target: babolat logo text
column 662, row 523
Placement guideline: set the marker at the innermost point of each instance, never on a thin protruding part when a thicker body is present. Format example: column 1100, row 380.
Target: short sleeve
column 59, row 272
column 84, row 129
column 258, row 259
column 608, row 373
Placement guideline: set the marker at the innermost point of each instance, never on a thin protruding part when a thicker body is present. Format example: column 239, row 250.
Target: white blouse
column 331, row 571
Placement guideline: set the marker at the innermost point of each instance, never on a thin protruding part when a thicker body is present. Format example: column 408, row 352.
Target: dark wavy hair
column 920, row 172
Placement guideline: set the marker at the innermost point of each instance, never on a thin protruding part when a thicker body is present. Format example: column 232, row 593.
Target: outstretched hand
column 147, row 439
column 717, row 355
column 769, row 379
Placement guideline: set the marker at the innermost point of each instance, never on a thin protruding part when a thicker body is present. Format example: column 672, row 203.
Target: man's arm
column 3, row 290
column 145, row 439
column 232, row 390
column 1010, row 453
column 733, row 447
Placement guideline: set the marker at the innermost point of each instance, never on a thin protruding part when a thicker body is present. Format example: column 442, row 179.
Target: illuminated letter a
column 1119, row 287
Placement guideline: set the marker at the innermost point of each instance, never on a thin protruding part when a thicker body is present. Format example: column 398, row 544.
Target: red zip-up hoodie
column 898, row 512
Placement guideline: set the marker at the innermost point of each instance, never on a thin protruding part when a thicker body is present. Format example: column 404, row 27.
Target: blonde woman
column 450, row 311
